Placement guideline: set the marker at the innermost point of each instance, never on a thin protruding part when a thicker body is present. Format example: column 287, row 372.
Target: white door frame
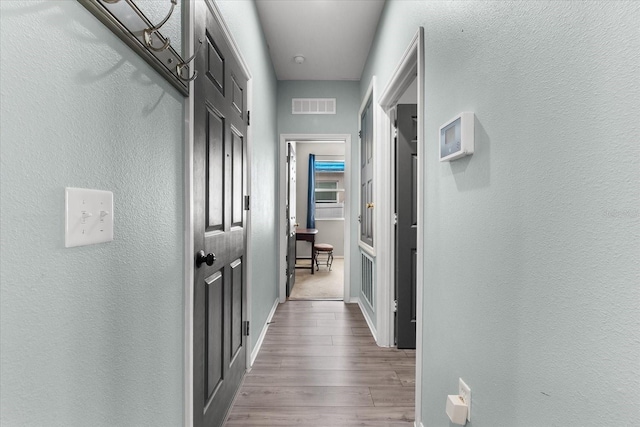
column 410, row 67
column 282, row 228
column 188, row 23
column 382, row 203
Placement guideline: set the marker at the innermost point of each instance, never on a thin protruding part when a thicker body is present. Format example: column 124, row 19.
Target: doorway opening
column 314, row 206
column 404, row 168
column 319, row 205
column 402, row 104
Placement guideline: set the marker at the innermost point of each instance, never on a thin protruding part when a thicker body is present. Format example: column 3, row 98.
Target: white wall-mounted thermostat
column 456, row 137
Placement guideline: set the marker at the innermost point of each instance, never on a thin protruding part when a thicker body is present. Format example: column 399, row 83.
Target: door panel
column 215, row 168
column 219, row 182
column 236, row 306
column 214, row 331
column 215, row 65
column 366, row 174
column 406, row 239
column 238, row 96
column 291, row 218
column 237, row 176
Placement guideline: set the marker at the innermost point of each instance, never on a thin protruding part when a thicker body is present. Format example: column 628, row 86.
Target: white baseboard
column 417, row 424
column 365, row 313
column 263, row 333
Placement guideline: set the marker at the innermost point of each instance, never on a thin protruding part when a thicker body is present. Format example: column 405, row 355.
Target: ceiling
column 334, row 36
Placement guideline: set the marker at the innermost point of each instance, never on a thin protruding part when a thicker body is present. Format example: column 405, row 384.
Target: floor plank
column 403, row 365
column 386, row 396
column 331, row 351
column 279, row 323
column 354, row 340
column 298, row 339
column 302, row 315
column 314, row 416
column 407, row 376
column 344, row 323
column 348, row 315
column 270, row 396
column 315, row 378
column 311, row 330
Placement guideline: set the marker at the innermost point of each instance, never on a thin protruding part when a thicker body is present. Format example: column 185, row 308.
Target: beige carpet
column 323, row 284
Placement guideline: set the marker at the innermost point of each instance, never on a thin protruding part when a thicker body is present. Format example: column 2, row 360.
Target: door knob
column 201, row 257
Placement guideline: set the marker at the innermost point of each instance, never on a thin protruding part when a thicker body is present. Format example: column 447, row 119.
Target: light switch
column 88, row 216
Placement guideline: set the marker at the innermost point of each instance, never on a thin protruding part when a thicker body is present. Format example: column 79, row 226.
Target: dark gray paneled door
column 406, row 226
column 219, row 186
column 366, row 174
column 291, row 218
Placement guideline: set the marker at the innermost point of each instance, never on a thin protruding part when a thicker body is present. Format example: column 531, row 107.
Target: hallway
column 320, row 366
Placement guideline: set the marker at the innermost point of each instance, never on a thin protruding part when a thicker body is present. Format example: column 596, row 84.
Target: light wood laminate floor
column 320, row 366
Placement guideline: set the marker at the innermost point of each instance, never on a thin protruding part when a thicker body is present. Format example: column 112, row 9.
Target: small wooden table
column 307, row 235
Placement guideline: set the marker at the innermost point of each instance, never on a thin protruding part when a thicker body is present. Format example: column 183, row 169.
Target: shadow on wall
column 58, row 17
column 478, row 164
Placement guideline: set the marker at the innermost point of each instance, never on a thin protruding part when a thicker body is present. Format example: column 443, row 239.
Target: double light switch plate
column 88, row 216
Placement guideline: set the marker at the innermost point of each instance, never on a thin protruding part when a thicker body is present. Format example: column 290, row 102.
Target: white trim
column 367, row 249
column 421, row 226
column 263, row 333
column 370, row 323
column 381, row 219
column 188, row 36
column 249, row 223
column 410, row 66
column 399, row 81
column 282, row 231
column 229, row 38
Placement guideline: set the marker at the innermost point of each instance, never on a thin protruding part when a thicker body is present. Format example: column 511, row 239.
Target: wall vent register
column 313, row 106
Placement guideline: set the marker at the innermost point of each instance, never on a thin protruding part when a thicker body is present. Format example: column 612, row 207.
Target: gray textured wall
column 532, row 281
column 344, row 122
column 90, row 335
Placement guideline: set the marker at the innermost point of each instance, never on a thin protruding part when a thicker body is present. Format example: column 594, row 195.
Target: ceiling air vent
column 313, row 106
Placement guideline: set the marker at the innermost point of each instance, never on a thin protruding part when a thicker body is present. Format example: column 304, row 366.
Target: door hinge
column 248, row 118
column 395, row 219
column 246, row 203
column 245, row 328
column 360, row 134
column 395, row 306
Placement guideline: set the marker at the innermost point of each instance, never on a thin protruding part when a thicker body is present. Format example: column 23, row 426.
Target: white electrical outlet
column 465, row 392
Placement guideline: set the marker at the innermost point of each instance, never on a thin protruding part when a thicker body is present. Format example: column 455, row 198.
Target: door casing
column 282, row 241
column 410, row 67
column 188, row 22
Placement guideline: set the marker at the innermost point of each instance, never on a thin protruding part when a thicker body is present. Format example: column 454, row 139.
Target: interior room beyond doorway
column 320, row 204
